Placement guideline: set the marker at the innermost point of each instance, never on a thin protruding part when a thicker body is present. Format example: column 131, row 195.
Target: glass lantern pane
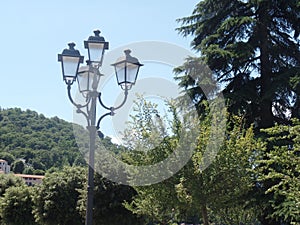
column 88, row 81
column 96, row 52
column 70, row 65
column 132, row 70
column 83, row 81
column 120, row 72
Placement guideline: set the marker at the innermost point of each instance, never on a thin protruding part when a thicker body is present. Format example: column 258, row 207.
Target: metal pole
column 90, row 189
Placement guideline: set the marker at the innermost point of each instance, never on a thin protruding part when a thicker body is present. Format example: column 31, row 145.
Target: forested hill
column 32, row 143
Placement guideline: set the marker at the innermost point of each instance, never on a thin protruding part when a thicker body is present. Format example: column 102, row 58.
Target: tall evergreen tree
column 252, row 48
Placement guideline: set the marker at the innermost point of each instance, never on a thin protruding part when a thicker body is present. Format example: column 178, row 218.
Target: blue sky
column 33, row 32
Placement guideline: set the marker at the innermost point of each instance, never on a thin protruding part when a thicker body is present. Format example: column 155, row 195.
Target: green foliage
column 42, row 142
column 143, row 132
column 192, row 192
column 278, row 172
column 109, row 198
column 9, row 180
column 18, row 166
column 56, row 198
column 158, row 202
column 252, row 48
column 8, row 157
column 219, row 193
column 152, row 141
column 151, row 137
column 16, row 206
column 198, row 83
column 61, row 200
column 34, row 144
column 29, row 170
column 225, row 184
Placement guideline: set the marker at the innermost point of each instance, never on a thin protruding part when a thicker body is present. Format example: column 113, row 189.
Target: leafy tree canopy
column 56, row 199
column 252, row 48
column 278, row 171
column 41, row 142
column 9, row 180
column 16, row 206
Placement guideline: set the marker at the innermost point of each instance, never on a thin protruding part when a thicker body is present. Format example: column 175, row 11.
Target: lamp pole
column 88, row 77
column 92, row 132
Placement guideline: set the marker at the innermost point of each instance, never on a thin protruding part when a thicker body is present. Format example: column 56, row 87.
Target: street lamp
column 88, row 77
column 70, row 60
column 127, row 68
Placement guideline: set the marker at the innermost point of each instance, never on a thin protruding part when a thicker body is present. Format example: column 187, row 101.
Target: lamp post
column 88, row 77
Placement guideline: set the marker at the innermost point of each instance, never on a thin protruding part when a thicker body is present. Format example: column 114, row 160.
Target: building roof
column 30, row 176
column 2, row 160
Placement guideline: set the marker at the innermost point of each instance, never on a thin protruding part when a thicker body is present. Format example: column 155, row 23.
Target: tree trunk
column 204, row 215
column 266, row 95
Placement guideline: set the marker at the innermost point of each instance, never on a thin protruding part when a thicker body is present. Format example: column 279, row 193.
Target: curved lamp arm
column 111, row 109
column 114, row 108
column 100, row 119
column 79, row 106
column 101, row 102
column 124, row 100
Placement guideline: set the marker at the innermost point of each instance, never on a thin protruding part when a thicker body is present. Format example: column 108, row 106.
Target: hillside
column 32, row 143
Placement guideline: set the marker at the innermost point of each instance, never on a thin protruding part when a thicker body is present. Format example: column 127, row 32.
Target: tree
column 150, row 140
column 41, row 142
column 278, row 173
column 109, row 198
column 252, row 48
column 55, row 201
column 216, row 193
column 8, row 157
column 220, row 192
column 16, row 206
column 158, row 202
column 30, row 170
column 18, row 166
column 9, row 180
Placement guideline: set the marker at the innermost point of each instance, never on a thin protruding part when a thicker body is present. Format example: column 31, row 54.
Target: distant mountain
column 32, row 143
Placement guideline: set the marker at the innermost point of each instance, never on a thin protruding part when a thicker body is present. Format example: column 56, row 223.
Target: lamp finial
column 97, row 33
column 127, row 52
column 71, row 45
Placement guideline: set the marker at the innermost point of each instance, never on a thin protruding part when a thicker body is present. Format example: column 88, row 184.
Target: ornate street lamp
column 96, row 45
column 88, row 78
column 70, row 60
column 127, row 69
